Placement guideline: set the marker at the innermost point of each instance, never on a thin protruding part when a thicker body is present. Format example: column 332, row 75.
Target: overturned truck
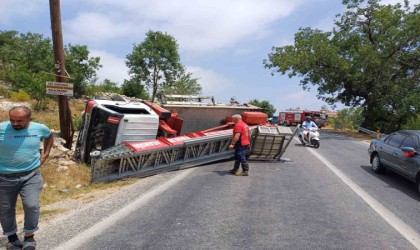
column 121, row 138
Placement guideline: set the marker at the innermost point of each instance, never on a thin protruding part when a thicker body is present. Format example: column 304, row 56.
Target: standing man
column 240, row 141
column 20, row 160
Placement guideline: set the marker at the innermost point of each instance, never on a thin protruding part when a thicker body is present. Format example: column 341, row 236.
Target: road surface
column 326, row 198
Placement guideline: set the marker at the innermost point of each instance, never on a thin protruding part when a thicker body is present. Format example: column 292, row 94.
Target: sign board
column 59, row 88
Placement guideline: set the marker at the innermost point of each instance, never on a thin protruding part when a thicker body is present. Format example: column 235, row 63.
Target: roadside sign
column 59, row 88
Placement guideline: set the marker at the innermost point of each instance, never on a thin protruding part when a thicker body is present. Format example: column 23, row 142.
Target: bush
column 4, row 91
column 349, row 119
column 77, row 122
column 20, row 96
column 40, row 105
column 413, row 123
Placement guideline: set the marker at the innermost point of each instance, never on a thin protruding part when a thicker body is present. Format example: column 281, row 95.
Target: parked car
column 398, row 152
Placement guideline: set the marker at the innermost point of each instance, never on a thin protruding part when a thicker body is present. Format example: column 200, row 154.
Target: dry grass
column 351, row 133
column 72, row 183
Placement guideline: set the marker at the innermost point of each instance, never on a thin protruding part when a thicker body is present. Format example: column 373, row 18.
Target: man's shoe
column 17, row 244
column 232, row 171
column 29, row 244
column 245, row 173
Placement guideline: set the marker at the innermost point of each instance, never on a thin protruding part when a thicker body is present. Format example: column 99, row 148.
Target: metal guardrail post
column 376, row 133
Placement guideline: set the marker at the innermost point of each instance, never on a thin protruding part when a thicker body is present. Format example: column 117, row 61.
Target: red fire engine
column 288, row 118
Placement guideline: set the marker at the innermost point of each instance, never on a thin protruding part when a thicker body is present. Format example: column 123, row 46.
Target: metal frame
column 267, row 143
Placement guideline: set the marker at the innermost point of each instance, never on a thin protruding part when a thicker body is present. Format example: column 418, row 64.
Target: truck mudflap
column 140, row 159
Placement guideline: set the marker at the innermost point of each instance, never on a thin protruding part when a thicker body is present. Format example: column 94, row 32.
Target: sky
column 222, row 43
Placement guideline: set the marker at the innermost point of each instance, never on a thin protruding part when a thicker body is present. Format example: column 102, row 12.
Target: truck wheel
column 285, row 123
column 377, row 166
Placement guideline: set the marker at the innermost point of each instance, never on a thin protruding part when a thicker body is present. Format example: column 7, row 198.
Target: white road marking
column 411, row 235
column 103, row 225
column 363, row 143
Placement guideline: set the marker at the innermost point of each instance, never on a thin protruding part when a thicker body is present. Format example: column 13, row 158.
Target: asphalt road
column 326, row 198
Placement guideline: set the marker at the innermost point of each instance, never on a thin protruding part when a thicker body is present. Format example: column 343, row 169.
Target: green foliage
column 413, row 123
column 77, row 122
column 109, row 86
column 184, row 84
column 106, row 87
column 133, row 88
column 81, row 68
column 155, row 62
column 4, row 91
column 369, row 59
column 20, row 96
column 26, row 65
column 27, row 62
column 348, row 119
column 265, row 105
column 40, row 105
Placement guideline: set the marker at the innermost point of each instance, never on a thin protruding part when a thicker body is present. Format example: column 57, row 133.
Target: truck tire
column 285, row 123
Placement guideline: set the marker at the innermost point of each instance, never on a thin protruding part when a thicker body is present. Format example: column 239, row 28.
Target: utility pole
column 60, row 72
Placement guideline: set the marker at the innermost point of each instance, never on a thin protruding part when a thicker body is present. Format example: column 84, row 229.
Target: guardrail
column 376, row 134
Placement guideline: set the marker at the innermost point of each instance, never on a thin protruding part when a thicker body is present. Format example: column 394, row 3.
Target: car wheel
column 377, row 166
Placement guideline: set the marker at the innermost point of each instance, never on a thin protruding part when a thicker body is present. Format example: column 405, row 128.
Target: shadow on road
column 223, row 173
column 395, row 181
column 331, row 135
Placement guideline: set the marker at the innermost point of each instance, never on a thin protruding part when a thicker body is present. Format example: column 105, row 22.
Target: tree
column 107, row 86
column 133, row 88
column 8, row 44
column 265, row 105
column 155, row 62
column 183, row 84
column 81, row 68
column 348, row 118
column 26, row 62
column 369, row 59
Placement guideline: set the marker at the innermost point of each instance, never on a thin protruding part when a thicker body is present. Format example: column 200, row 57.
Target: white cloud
column 211, row 82
column 412, row 2
column 18, row 8
column 96, row 28
column 296, row 96
column 197, row 25
column 113, row 68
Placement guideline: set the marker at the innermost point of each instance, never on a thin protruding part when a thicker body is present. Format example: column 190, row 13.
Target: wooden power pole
column 60, row 71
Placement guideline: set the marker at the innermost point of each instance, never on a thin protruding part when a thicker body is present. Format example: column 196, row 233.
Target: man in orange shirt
column 240, row 142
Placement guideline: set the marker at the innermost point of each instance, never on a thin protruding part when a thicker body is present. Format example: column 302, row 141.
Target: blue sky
column 223, row 43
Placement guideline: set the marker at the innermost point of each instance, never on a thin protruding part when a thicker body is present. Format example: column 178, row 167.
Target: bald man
column 20, row 160
column 240, row 142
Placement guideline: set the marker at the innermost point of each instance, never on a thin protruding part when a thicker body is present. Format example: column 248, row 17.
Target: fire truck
column 291, row 118
column 120, row 138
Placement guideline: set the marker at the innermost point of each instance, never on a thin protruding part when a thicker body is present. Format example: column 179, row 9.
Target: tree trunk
column 369, row 114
